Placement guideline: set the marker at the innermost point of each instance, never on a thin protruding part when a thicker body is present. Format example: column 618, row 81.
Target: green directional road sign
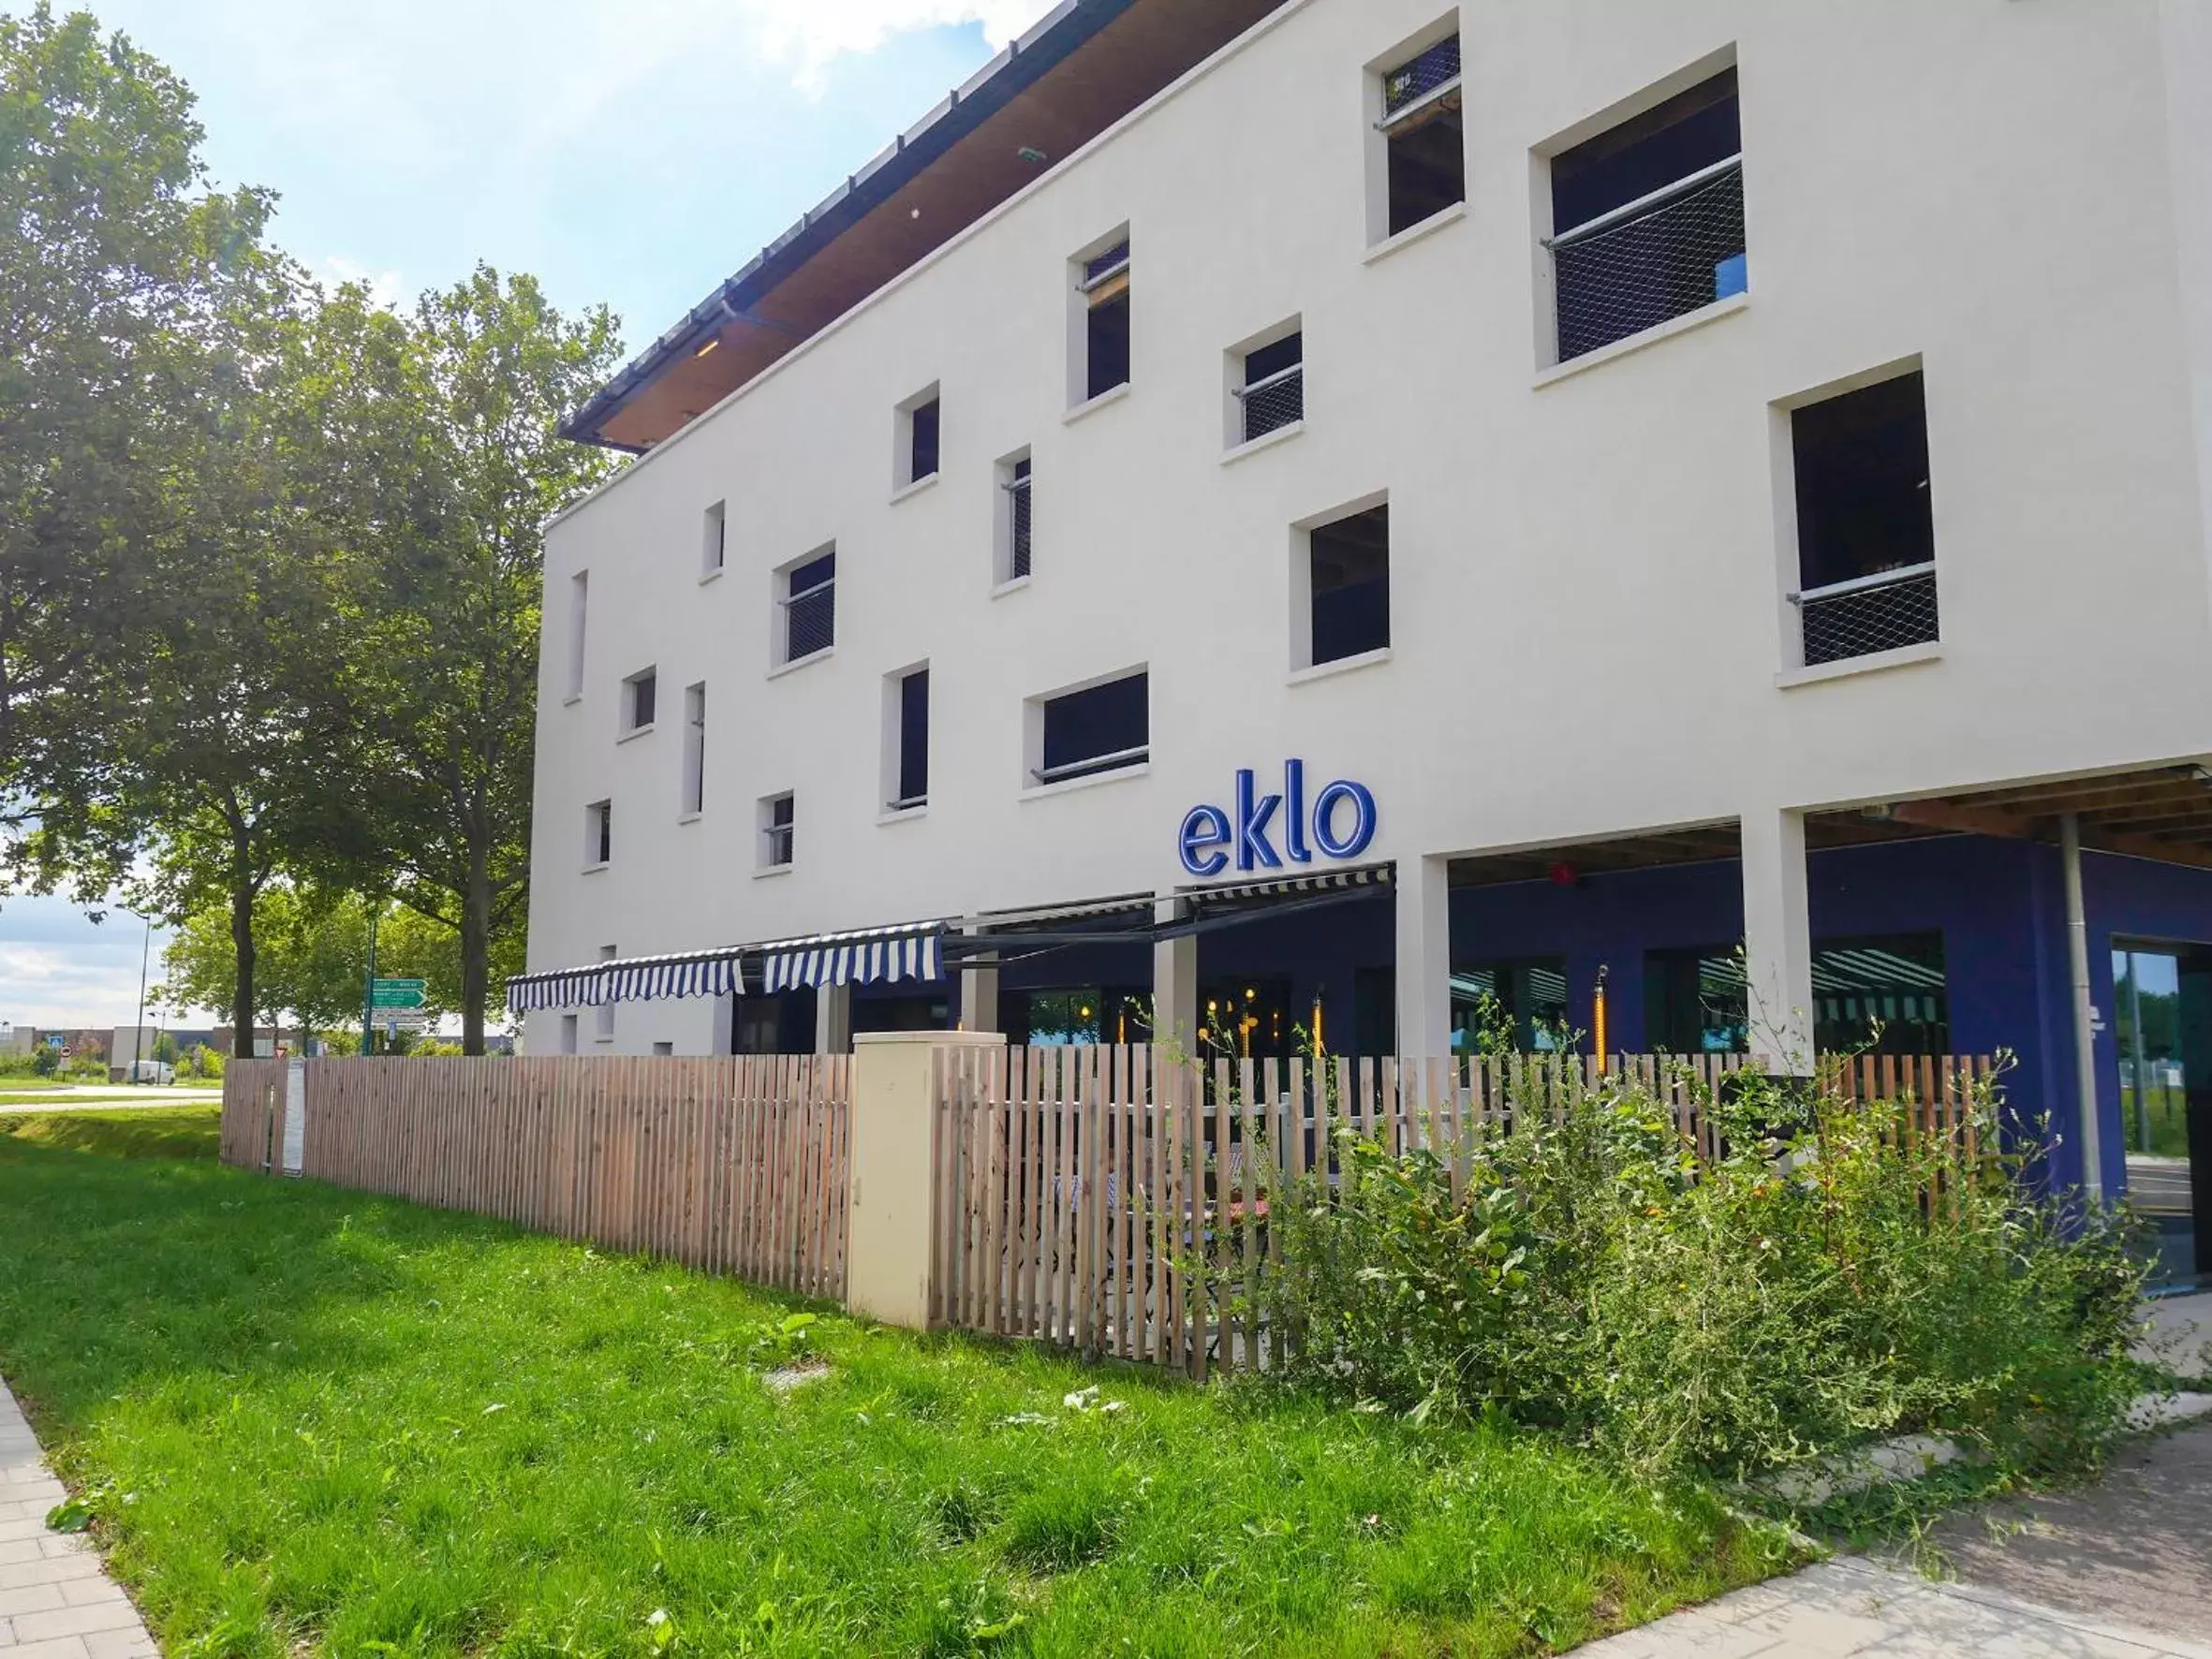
column 395, row 994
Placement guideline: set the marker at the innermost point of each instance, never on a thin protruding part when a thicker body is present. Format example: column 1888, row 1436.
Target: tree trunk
column 475, row 948
column 242, row 998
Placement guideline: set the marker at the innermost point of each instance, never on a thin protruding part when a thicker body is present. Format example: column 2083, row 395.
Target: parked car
column 145, row 1071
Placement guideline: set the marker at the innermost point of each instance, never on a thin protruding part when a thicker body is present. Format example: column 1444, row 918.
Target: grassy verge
column 119, row 1132
column 313, row 1420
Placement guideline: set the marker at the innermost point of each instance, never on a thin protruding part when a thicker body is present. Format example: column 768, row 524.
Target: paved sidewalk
column 2180, row 1332
column 55, row 1603
column 1850, row 1605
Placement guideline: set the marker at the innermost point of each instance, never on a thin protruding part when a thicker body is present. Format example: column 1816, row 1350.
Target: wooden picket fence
column 731, row 1165
column 1115, row 1199
column 252, row 1133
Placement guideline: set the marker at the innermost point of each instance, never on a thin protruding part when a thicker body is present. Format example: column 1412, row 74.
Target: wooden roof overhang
column 1069, row 79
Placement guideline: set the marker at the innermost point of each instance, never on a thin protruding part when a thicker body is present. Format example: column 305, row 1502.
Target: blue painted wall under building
column 1999, row 906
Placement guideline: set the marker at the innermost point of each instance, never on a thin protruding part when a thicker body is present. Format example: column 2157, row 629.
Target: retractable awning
column 1290, row 886
column 869, row 957
column 641, row 979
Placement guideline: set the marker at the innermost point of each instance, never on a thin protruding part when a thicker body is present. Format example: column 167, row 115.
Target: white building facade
column 1638, row 453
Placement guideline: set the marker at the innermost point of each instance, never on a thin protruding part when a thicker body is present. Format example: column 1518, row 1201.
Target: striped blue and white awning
column 644, row 979
column 871, row 957
column 1290, row 886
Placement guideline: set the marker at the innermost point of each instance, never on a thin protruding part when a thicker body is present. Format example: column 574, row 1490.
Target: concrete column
column 1175, row 982
column 833, row 1019
column 1424, row 958
column 891, row 1184
column 1778, row 940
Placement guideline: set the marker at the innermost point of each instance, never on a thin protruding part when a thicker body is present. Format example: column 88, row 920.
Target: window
column 569, row 1034
column 578, row 591
column 1648, row 218
column 1341, row 587
column 918, row 425
column 604, row 1012
column 1269, row 393
column 906, row 739
column 1094, row 728
column 599, row 833
column 663, row 1050
column 1010, row 561
column 808, row 601
column 1866, row 525
column 1423, row 148
column 776, row 831
column 1696, row 1001
column 1516, row 1006
column 1886, row 995
column 694, row 799
column 1102, row 288
column 639, row 693
column 713, row 539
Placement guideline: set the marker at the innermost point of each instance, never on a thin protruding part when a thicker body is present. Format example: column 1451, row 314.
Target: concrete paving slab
column 2180, row 1335
column 1852, row 1606
column 55, row 1600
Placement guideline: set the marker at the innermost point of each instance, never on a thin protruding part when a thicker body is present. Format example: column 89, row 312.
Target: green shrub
column 1808, row 1290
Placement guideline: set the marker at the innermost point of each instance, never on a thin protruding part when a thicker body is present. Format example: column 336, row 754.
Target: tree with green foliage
column 448, row 656
column 115, row 255
column 312, row 959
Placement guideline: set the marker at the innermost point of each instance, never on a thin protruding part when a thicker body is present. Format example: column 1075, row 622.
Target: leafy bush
column 24, row 1065
column 1810, row 1287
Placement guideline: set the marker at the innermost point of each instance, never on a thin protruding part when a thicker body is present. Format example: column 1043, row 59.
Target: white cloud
column 383, row 286
column 59, row 968
column 806, row 35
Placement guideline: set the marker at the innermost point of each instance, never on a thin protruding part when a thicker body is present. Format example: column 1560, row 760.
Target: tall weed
column 1833, row 1274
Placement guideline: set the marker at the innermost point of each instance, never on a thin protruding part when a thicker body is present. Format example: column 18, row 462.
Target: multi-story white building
column 1259, row 517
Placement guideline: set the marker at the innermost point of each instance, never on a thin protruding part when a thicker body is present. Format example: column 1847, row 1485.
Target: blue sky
column 634, row 151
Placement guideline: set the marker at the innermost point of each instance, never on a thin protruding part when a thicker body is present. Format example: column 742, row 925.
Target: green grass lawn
column 313, row 1420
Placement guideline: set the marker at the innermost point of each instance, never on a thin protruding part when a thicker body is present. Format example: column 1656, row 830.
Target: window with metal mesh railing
column 1017, row 488
column 1275, row 402
column 1413, row 81
column 810, row 621
column 1272, row 395
column 1884, row 612
column 1650, row 261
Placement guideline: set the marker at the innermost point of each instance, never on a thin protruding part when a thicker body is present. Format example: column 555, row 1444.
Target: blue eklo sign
column 1340, row 825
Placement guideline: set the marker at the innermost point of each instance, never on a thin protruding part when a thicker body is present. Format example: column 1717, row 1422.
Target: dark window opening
column 913, row 782
column 1884, row 994
column 776, row 829
column 1517, row 1005
column 779, row 1025
column 1375, row 1011
column 1107, row 331
column 643, row 691
column 901, row 1013
column 1018, row 518
column 1076, row 1018
column 1096, row 729
column 810, row 609
column 1274, row 393
column 716, row 541
column 1249, row 1019
column 598, row 833
column 1695, row 1001
column 1350, row 575
column 1648, row 218
column 922, row 448
column 1866, row 523
column 1424, row 135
